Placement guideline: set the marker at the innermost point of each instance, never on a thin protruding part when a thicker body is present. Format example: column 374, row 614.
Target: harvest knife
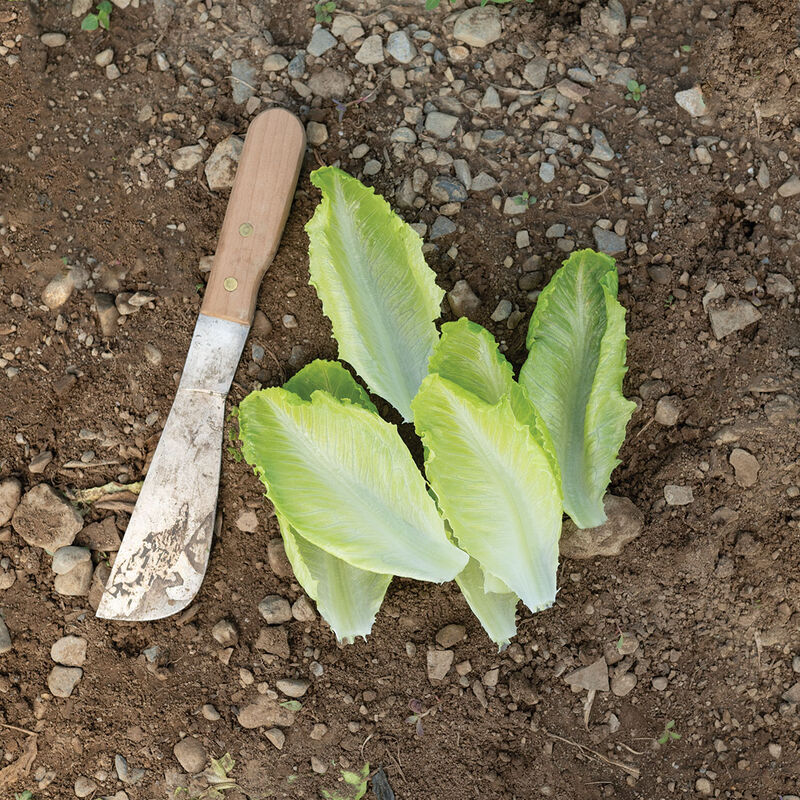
column 164, row 554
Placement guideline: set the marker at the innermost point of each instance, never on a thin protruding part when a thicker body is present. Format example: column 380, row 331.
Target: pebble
column 372, row 167
column 447, row 190
column 125, row 773
column 275, row 609
column 371, row 51
column 668, row 411
column 210, row 713
column 297, row 66
column 112, row 72
column 278, row 561
column 84, row 786
column 104, row 57
column 478, row 27
column 58, row 290
column 69, row 651
column 247, row 521
column 491, row 99
column 691, row 100
column 440, row 125
column 39, row 463
column 318, row 731
column 482, row 182
column 5, row 637
column 450, row 635
column 790, row 188
column 62, row 680
column 76, row 582
column 329, row 83
column 243, row 80
column 53, row 39
column 43, row 519
column 293, row 687
column 660, row 684
column 762, row 177
column 265, row 713
column 107, row 314
column 502, row 311
column 572, row 91
column 221, row 166
column 438, row 664
column 609, row 242
column 624, row 524
column 622, row 685
column 346, row 28
column 612, row 18
column 67, row 558
column 403, row 135
column 191, row 755
column 547, row 172
column 321, row 41
column 678, row 495
column 745, row 466
column 276, row 737
column 289, row 321
column 462, row 300
column 513, row 208
column 778, row 285
column 736, row 316
column 80, row 8
column 275, row 63
column 601, row 150
column 704, row 786
column 317, row 133
column 10, row 494
column 318, row 766
column 302, row 610
column 442, row 226
column 187, row 158
column 535, row 72
column 225, row 633
column 555, row 231
column 591, row 678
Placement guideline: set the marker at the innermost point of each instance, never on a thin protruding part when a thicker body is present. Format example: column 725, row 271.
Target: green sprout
column 102, row 19
column 635, row 90
column 670, row 734
column 686, row 48
column 524, row 199
column 358, row 780
column 322, row 10
column 26, row 795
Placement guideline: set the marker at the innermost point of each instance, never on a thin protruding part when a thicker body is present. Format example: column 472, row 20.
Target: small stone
column 547, row 172
column 523, row 239
column 275, row 63
column 129, row 776
column 321, row 42
column 678, row 495
column 278, row 561
column 503, row 311
column 289, row 321
column 736, row 316
column 243, row 80
column 107, row 314
column 482, row 182
column 591, row 678
column 372, row 167
column 601, row 149
column 442, row 226
column 792, row 694
column 462, row 300
column 80, row 8
column 44, row 520
column 265, row 713
column 447, row 190
column 297, row 66
column 302, row 610
column 220, row 169
column 210, row 713
column 660, row 684
column 572, row 91
column 293, row 687
column 779, row 286
column 53, row 39
column 62, row 680
column 609, row 242
column 535, row 72
column 612, row 18
column 191, row 755
column 439, row 663
column 247, row 521
column 318, row 766
column 691, row 100
column 5, row 637
column 745, row 467
column 478, row 27
column 624, row 524
column 371, row 51
column 10, row 494
column 39, row 463
column 275, row 609
column 58, row 291
column 329, row 83
column 274, row 640
column 403, row 135
column 440, row 125
column 67, row 558
column 69, row 651
column 622, row 685
column 513, row 206
column 102, row 536
column 762, row 177
column 555, row 231
column 522, row 690
column 790, row 188
column 276, row 737
column 775, row 750
column 451, row 635
column 84, row 786
column 491, row 99
column 346, row 28
column 318, row 731
column 187, row 158
column 104, row 57
column 704, row 786
column 112, row 72
column 76, row 582
column 703, row 156
column 225, row 633
column 668, row 411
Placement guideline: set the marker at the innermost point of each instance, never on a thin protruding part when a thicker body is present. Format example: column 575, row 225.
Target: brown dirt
column 712, row 597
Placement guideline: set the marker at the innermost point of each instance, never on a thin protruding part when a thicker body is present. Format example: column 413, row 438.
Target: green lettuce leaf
column 573, row 376
column 496, row 612
column 502, row 501
column 344, row 480
column 381, row 297
column 330, row 377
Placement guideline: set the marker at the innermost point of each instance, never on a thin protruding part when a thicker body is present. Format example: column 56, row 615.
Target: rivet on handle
column 245, row 229
column 230, row 284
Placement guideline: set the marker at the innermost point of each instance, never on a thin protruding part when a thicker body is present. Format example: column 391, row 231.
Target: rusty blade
column 163, row 557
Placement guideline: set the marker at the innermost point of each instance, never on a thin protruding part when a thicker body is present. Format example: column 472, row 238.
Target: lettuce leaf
column 345, row 482
column 573, row 376
column 367, row 266
column 495, row 611
column 330, row 377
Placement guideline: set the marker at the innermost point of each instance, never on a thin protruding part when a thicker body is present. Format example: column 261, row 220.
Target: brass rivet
column 245, row 229
column 230, row 284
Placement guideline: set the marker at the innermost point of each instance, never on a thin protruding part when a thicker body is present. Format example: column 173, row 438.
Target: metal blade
column 163, row 557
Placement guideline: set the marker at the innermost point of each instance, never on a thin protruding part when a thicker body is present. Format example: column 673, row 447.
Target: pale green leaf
column 330, row 377
column 496, row 612
column 381, row 297
column 345, row 481
column 502, row 502
column 347, row 597
column 573, row 376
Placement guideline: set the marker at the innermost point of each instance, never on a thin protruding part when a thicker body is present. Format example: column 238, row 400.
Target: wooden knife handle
column 257, row 209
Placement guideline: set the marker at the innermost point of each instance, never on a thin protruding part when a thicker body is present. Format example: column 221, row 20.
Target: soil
column 709, row 590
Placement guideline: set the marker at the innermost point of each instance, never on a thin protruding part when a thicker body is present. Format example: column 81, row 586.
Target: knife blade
column 163, row 557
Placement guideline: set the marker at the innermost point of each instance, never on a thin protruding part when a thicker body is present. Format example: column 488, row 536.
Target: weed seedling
column 670, row 734
column 524, row 199
column 686, row 48
column 420, row 712
column 26, row 795
column 322, row 10
column 635, row 90
column 357, row 781
column 101, row 19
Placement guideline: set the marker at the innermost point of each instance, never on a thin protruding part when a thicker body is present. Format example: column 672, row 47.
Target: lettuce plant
column 503, row 459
